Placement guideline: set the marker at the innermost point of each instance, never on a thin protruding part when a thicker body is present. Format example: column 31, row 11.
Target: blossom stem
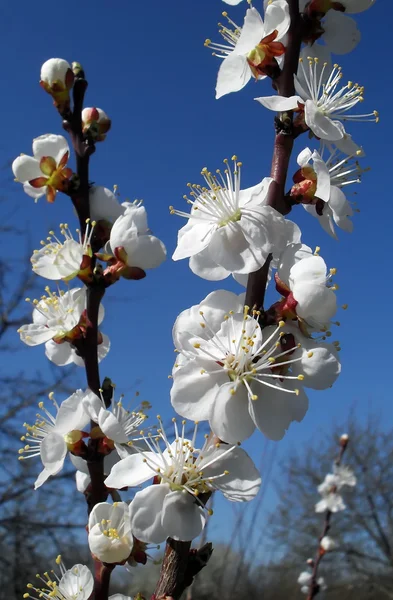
column 283, row 145
column 102, row 577
column 179, row 567
column 314, row 586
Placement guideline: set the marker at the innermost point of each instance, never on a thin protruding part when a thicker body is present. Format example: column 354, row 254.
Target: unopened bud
column 328, row 544
column 96, row 122
column 77, row 69
column 310, row 562
column 344, row 439
column 57, row 79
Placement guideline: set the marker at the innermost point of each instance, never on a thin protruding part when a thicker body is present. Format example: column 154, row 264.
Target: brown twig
column 283, row 144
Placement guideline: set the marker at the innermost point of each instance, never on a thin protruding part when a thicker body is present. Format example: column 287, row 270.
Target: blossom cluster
column 239, row 367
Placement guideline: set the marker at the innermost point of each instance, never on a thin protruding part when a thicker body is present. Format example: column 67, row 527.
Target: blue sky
column 147, row 68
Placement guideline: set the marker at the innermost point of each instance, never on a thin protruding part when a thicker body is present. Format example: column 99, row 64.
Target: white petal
column 82, row 481
column 50, row 145
column 230, row 249
column 193, row 393
column 280, row 103
column 234, row 73
column 341, row 34
column 252, row 32
column 132, row 471
column 26, row 168
column 338, row 202
column 42, row 477
column 214, row 307
column 317, row 304
column 244, row 480
column 34, row 192
column 92, row 405
column 76, row 583
column 304, row 157
column 60, row 354
column 193, row 238
column 348, row 146
column 145, row 252
column 321, row 369
column 311, row 269
column 53, row 451
column 321, row 125
column 323, row 177
column 292, row 254
column 277, row 17
column 275, row 409
column 204, row 266
column 35, row 334
column 55, row 69
column 182, row 518
column 357, row 6
column 111, row 427
column 230, row 420
column 138, row 214
column 146, row 514
column 104, row 205
column 255, row 195
column 72, row 414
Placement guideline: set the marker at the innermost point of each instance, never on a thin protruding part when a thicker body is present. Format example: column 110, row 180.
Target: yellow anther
column 310, row 354
column 196, row 345
column 254, row 397
column 300, row 377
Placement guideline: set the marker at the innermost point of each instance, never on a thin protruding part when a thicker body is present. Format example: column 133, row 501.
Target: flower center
column 263, row 56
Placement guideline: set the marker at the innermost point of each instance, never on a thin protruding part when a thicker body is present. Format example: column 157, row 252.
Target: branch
column 282, row 150
column 179, row 567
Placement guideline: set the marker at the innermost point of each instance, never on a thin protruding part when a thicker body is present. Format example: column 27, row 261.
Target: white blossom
column 229, row 230
column 59, row 259
column 45, row 172
column 171, row 507
column 120, row 425
column 110, row 537
column 131, row 241
column 306, row 284
column 304, row 580
column 324, row 102
column 225, row 371
column 331, row 486
column 53, row 435
column 55, row 317
column 311, row 183
column 73, row 584
column 252, row 50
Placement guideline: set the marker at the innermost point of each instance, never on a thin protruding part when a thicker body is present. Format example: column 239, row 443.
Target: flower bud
column 344, row 439
column 328, row 544
column 57, row 79
column 96, row 122
column 310, row 562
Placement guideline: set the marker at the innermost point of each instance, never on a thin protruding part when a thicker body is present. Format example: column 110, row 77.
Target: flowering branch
column 282, row 150
column 325, row 544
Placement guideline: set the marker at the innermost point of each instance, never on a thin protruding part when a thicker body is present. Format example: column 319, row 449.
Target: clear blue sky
column 148, row 69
